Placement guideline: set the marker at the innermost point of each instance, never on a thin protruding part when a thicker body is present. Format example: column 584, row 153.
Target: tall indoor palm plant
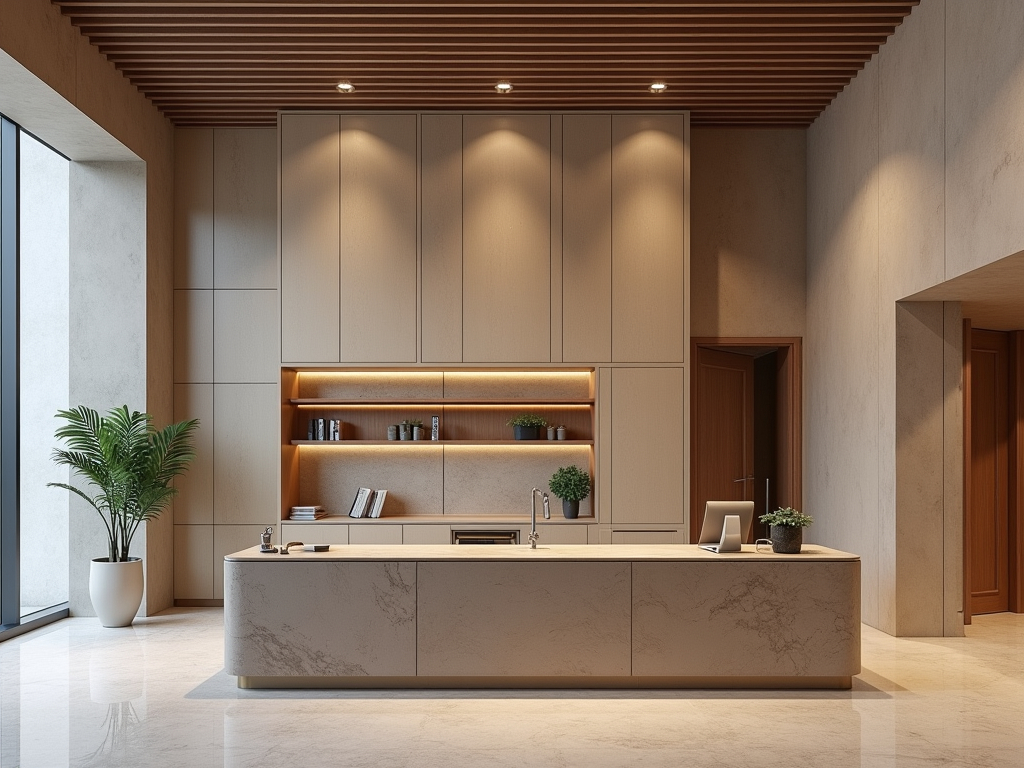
column 128, row 461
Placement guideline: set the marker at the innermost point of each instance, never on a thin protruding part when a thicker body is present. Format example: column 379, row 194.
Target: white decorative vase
column 115, row 590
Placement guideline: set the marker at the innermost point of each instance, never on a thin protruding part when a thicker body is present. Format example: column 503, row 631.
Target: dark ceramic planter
column 787, row 539
column 571, row 508
column 526, row 433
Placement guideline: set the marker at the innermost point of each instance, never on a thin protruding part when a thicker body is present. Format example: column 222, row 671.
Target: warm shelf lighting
column 503, row 87
column 658, row 87
column 346, row 87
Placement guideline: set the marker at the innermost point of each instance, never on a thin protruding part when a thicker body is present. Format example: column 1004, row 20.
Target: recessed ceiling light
column 658, row 87
column 346, row 87
column 503, row 87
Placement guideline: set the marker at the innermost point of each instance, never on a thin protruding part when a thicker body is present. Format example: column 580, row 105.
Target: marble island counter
column 558, row 616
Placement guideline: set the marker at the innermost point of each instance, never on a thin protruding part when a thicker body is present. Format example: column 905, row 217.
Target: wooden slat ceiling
column 215, row 62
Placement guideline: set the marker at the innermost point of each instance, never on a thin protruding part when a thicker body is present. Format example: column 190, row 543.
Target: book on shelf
column 314, row 512
column 361, row 504
column 378, row 502
column 319, row 429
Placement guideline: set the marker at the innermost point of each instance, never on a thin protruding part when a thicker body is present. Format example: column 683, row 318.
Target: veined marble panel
column 335, row 619
column 523, row 619
column 746, row 619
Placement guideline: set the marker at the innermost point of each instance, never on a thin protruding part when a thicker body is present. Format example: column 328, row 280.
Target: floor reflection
column 155, row 695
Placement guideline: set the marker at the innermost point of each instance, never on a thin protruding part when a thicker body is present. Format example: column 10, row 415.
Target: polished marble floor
column 155, row 695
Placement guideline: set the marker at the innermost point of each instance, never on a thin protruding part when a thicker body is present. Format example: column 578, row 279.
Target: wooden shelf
column 516, row 443
column 383, row 402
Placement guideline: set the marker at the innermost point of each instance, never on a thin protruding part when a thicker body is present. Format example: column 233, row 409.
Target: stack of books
column 368, row 503
column 307, row 513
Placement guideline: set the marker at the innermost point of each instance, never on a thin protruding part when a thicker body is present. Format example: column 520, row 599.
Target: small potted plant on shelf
column 571, row 484
column 787, row 529
column 526, row 426
column 130, row 464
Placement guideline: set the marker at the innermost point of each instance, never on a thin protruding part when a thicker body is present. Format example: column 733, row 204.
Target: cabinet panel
column 375, row 534
column 193, row 562
column 193, row 208
column 647, row 238
column 428, row 533
column 310, row 238
column 441, row 238
column 245, row 453
column 194, row 501
column 378, row 238
column 586, row 238
column 648, row 445
column 245, row 325
column 193, row 336
column 561, row 534
column 673, row 536
column 245, row 202
column 506, row 238
column 325, row 533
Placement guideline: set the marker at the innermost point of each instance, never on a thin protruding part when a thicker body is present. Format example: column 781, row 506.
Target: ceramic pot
column 525, row 433
column 115, row 590
column 787, row 539
column 571, row 508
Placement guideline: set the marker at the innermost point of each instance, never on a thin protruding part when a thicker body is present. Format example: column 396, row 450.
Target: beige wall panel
column 193, row 562
column 246, row 453
column 523, row 618
column 193, row 336
column 245, row 337
column 378, row 238
column 310, row 238
column 313, row 533
column 228, row 539
column 648, row 445
column 748, row 240
column 473, row 487
column 194, row 502
column 661, row 536
column 372, row 385
column 647, row 238
column 245, row 202
column 506, row 246
column 587, row 238
column 331, row 476
column 561, row 534
column 426, row 534
column 441, row 238
column 375, row 534
column 193, row 207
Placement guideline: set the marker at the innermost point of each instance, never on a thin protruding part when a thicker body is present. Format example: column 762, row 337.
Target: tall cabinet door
column 647, row 446
column 506, row 238
column 310, row 238
column 648, row 238
column 378, row 238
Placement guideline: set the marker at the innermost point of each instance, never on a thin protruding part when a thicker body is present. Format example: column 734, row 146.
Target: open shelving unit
column 476, row 470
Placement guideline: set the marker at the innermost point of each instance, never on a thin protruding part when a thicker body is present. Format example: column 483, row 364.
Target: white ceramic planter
column 115, row 590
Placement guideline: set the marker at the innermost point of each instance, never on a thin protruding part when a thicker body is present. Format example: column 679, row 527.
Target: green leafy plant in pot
column 526, row 426
column 571, row 484
column 130, row 464
column 787, row 529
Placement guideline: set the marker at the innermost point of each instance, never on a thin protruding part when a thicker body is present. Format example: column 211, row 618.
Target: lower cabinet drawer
column 375, row 534
column 660, row 536
column 328, row 533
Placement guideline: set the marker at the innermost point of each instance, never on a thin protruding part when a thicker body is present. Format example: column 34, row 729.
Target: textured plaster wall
column 748, row 225
column 915, row 176
column 70, row 96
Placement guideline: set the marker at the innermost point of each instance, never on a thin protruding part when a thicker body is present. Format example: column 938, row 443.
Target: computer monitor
column 712, row 532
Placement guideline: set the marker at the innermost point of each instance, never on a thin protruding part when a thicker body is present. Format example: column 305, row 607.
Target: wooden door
column 723, row 424
column 989, row 486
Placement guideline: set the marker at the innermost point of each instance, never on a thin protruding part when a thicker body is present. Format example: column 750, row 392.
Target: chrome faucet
column 533, row 514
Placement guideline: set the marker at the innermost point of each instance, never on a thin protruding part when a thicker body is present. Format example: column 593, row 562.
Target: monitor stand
column 731, row 539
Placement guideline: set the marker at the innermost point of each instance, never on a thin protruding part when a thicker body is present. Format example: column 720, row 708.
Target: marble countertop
column 553, row 552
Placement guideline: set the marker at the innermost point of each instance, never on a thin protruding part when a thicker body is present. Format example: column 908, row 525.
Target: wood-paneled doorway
column 746, row 417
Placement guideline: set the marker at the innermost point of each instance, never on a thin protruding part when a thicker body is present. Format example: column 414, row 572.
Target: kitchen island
column 445, row 616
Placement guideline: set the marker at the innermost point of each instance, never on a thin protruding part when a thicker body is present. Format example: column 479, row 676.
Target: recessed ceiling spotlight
column 503, row 87
column 346, row 87
column 658, row 87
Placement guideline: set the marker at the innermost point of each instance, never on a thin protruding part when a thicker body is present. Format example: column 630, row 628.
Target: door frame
column 790, row 410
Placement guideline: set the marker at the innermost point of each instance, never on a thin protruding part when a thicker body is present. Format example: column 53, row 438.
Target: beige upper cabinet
column 506, row 224
column 648, row 238
column 348, row 238
column 310, row 238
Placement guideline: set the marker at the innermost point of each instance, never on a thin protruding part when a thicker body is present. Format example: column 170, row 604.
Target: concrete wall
column 61, row 88
column 915, row 176
column 748, row 219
